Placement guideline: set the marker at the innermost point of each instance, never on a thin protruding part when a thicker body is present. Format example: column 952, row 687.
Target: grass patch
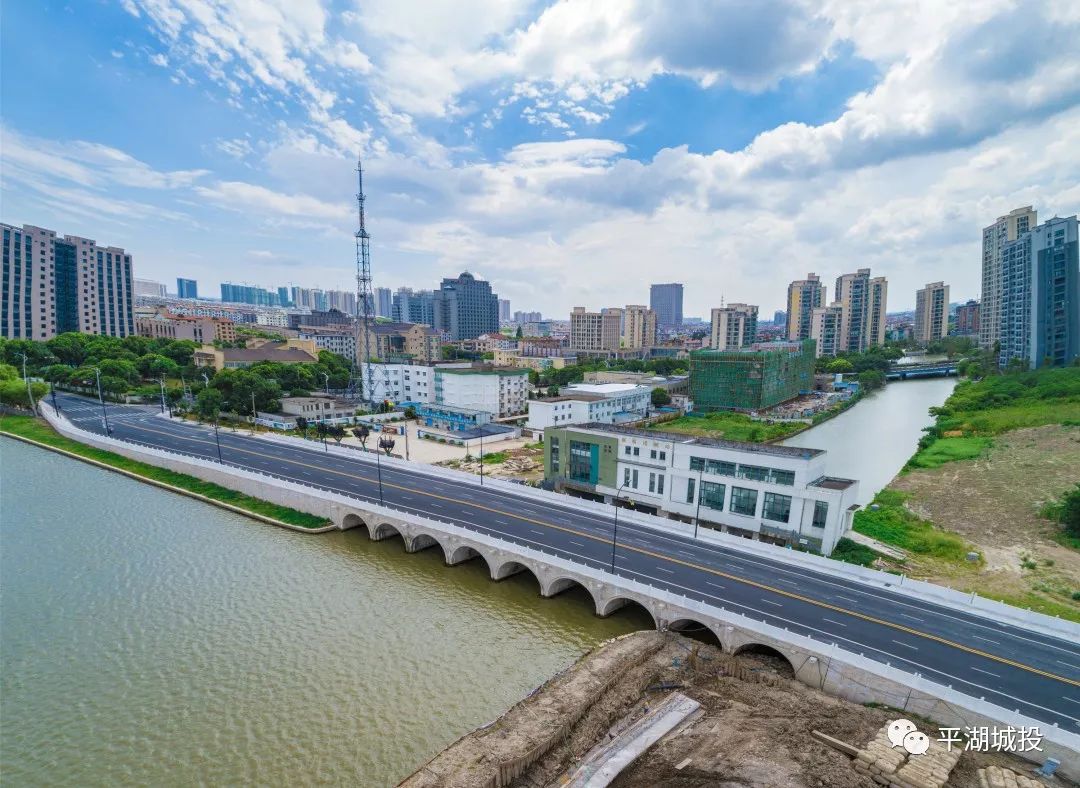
column 1040, row 604
column 893, row 524
column 495, row 457
column 851, row 552
column 730, row 426
column 943, row 450
column 30, row 427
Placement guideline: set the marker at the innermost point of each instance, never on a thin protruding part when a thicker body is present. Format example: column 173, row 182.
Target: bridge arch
column 461, row 554
column 605, row 607
column 506, row 568
column 353, row 520
column 770, row 652
column 385, row 531
column 423, row 541
column 692, row 628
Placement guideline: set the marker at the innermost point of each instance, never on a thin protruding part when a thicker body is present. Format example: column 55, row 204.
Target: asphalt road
column 1010, row 666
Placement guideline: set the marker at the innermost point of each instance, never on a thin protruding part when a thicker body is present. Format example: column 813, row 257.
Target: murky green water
column 147, row 639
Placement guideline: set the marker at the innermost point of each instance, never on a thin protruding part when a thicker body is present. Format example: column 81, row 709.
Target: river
column 148, row 639
column 872, row 440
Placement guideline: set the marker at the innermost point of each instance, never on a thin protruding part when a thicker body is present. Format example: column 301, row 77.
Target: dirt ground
column 754, row 729
column 994, row 502
column 524, row 461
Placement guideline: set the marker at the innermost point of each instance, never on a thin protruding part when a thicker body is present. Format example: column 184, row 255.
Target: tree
column 208, row 403
column 871, row 379
column 362, row 432
column 70, row 348
column 534, row 377
column 553, row 390
column 1070, row 512
column 337, row 433
column 840, row 365
column 519, row 334
column 13, row 392
column 660, row 397
column 302, row 425
column 410, row 412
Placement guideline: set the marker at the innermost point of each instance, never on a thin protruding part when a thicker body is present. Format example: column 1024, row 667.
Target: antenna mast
column 365, row 301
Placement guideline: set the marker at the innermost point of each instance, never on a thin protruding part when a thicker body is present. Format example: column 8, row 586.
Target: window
column 783, row 477
column 626, row 477
column 554, row 443
column 712, row 495
column 652, row 482
column 754, row 473
column 663, row 455
column 777, row 507
column 821, row 513
column 635, row 485
column 637, row 452
column 652, row 454
column 690, row 485
column 743, row 501
column 660, row 484
column 627, row 452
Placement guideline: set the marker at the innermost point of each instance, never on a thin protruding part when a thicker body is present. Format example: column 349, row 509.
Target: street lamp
column 378, row 466
column 481, row 456
column 162, row 381
column 697, row 512
column 327, row 378
column 217, row 440
column 29, row 393
column 101, row 399
column 615, row 530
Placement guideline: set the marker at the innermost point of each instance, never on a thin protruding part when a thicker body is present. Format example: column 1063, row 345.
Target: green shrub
column 851, row 552
column 893, row 524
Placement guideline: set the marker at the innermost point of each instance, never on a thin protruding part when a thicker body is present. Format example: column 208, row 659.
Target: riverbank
column 997, row 453
column 754, row 726
column 35, row 431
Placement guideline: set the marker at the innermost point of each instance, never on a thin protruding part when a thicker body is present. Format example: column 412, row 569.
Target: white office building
column 582, row 403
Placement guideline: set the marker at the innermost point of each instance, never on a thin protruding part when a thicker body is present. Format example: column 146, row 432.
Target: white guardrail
column 916, row 589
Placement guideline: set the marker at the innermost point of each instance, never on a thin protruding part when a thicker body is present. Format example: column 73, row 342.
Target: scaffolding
column 751, row 379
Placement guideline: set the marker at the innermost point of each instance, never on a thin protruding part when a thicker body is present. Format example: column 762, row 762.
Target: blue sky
column 570, row 152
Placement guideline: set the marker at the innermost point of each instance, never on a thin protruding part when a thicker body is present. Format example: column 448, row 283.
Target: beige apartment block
column 931, row 312
column 1007, row 228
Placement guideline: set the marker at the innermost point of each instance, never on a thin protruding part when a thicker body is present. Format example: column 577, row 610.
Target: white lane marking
column 987, row 672
column 1073, row 700
column 789, row 582
column 906, row 645
column 834, row 621
column 988, row 640
column 537, row 531
column 1066, row 664
column 770, row 602
column 575, row 541
column 669, row 571
column 500, row 521
column 436, row 505
column 846, row 599
column 913, row 618
column 714, row 585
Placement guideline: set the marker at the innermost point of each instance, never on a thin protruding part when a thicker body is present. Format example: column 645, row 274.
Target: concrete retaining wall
column 826, row 667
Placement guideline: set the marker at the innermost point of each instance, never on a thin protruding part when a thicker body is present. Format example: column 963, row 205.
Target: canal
column 872, row 440
column 148, row 639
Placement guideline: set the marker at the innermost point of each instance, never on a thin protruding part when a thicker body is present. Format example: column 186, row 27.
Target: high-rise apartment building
column 825, row 322
column 595, row 331
column 639, row 327
column 413, row 306
column 1039, row 320
column 527, row 317
column 931, row 312
column 384, row 302
column 733, row 326
column 53, row 285
column 283, row 296
column 249, row 294
column 187, row 288
column 148, row 287
column 504, row 310
column 1006, row 229
column 862, row 300
column 803, row 297
column 465, row 307
column 967, row 319
column 667, row 301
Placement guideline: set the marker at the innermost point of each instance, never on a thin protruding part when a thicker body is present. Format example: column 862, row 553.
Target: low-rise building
column 675, row 384
column 543, row 346
column 760, row 376
column 778, row 494
column 163, row 324
column 404, row 383
column 512, row 358
column 602, row 403
column 451, row 418
column 400, row 342
column 500, row 391
column 291, row 351
column 337, row 340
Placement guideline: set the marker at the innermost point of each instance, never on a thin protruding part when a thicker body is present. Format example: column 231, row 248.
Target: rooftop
column 771, row 449
column 603, row 389
column 833, row 483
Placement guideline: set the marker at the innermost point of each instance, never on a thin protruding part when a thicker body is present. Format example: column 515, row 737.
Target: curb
column 171, row 488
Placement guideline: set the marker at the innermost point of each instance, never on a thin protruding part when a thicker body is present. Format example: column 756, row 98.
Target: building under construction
column 756, row 377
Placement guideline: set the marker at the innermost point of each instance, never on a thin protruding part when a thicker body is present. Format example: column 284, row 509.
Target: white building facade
column 499, row 391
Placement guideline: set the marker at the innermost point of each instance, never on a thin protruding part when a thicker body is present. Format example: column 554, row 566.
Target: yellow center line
column 652, row 554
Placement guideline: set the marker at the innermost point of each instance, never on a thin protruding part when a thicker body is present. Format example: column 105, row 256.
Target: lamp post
column 29, row 393
column 378, row 466
column 481, row 456
column 253, row 413
column 101, row 399
column 615, row 529
column 697, row 511
column 162, row 381
column 327, row 379
column 217, row 440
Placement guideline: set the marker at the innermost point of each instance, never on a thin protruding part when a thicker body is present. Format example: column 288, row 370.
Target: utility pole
column 29, row 393
column 162, row 380
column 481, row 456
column 217, row 440
column 325, row 375
column 252, row 412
